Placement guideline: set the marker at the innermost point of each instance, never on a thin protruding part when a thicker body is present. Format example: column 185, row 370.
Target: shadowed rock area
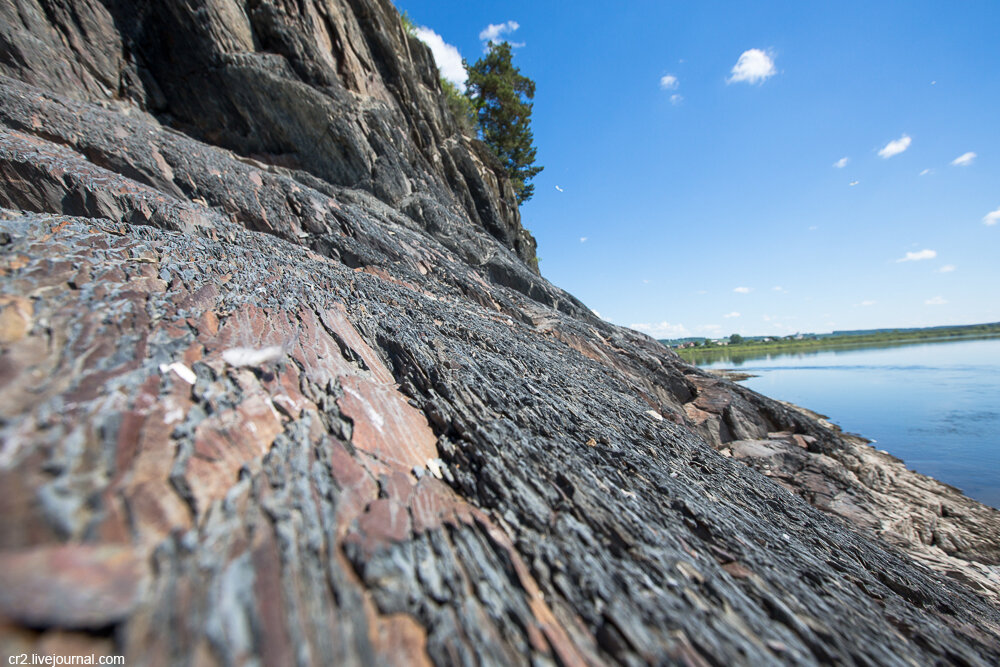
column 280, row 384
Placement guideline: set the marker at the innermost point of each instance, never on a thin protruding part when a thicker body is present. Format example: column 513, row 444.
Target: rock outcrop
column 279, row 386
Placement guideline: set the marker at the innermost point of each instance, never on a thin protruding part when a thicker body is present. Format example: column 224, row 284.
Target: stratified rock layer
column 266, row 401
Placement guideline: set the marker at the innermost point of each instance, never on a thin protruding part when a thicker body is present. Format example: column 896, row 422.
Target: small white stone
column 435, row 466
column 248, row 356
column 655, row 415
column 182, row 371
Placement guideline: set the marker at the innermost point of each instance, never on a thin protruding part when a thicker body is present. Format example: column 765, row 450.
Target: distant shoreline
column 755, row 348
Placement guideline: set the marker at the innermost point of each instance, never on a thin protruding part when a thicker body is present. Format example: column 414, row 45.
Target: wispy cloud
column 935, row 301
column 925, row 172
column 753, row 66
column 992, row 217
column 841, row 163
column 779, row 288
column 559, row 188
column 743, row 290
column 662, row 329
column 676, row 99
column 853, row 183
column 669, row 82
column 731, row 315
column 918, row 255
column 583, row 239
column 447, row 57
column 895, row 147
column 947, row 268
column 964, row 160
column 493, row 31
column 867, row 302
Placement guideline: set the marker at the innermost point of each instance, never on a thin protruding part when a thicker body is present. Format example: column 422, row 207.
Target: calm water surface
column 934, row 405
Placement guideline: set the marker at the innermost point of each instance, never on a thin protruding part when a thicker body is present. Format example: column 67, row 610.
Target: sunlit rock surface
column 278, row 385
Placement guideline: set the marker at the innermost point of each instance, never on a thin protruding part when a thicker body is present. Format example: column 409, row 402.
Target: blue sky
column 695, row 177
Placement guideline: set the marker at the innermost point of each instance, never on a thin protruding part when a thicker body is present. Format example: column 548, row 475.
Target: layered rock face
column 278, row 387
column 334, row 89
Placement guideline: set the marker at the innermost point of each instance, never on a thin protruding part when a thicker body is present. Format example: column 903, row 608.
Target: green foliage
column 735, row 339
column 501, row 97
column 408, row 25
column 460, row 105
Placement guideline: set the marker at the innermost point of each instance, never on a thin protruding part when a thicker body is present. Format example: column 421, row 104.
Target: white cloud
column 992, row 218
column 710, row 328
column 447, row 57
column 964, row 160
column 868, row 302
column 947, row 268
column 925, row 172
column 669, row 82
column 676, row 99
column 853, row 183
column 662, row 329
column 779, row 288
column 583, row 239
column 895, row 147
column 813, row 228
column 493, row 31
column 917, row 256
column 731, row 315
column 935, row 301
column 841, row 163
column 559, row 188
column 743, row 290
column 753, row 66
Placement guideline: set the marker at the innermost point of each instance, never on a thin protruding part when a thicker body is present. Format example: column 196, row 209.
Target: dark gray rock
column 298, row 400
column 334, row 88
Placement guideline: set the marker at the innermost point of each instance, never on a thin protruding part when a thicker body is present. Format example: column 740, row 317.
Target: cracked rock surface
column 278, row 386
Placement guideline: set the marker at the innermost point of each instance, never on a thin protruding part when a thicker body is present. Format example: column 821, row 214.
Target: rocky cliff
column 279, row 387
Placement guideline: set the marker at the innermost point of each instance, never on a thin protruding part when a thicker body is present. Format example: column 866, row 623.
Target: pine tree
column 500, row 94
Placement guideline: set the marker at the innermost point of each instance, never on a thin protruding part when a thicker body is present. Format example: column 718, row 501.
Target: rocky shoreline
column 730, row 374
column 880, row 494
column 280, row 385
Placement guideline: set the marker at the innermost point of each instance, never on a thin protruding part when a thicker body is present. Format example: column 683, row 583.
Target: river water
column 934, row 405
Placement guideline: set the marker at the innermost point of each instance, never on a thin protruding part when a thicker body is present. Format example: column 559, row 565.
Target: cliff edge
column 280, row 385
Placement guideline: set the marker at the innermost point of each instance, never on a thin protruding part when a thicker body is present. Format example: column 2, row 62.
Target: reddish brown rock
column 71, row 586
column 15, row 318
column 439, row 457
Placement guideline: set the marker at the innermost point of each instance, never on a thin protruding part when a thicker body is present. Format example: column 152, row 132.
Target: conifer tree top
column 501, row 95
